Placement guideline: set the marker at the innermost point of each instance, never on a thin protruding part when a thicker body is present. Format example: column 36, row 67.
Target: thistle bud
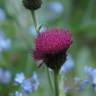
column 32, row 4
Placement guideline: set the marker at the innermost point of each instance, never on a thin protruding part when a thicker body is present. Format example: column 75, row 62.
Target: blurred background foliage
column 17, row 36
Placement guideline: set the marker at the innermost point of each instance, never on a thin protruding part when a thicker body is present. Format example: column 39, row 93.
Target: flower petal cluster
column 51, row 46
column 28, row 85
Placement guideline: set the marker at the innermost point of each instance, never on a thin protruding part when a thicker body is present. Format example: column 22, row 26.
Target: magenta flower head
column 51, row 47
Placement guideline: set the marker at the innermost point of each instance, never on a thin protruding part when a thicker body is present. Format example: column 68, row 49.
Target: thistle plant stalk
column 49, row 80
column 37, row 30
column 34, row 20
column 56, row 86
column 62, row 93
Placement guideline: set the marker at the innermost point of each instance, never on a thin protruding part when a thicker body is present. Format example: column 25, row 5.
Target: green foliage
column 78, row 15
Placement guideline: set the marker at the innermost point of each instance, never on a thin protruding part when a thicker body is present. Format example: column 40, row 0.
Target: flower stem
column 62, row 91
column 49, row 79
column 34, row 20
column 56, row 87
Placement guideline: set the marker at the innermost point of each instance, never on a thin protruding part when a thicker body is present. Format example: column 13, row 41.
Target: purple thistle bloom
column 51, row 47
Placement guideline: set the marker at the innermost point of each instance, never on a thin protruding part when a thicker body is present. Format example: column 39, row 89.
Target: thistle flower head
column 51, row 46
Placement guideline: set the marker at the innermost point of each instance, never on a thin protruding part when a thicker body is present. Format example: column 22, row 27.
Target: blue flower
column 68, row 65
column 91, row 72
column 17, row 93
column 35, row 81
column 5, row 76
column 27, row 85
column 56, row 7
column 20, row 77
column 84, row 85
column 88, row 70
column 5, row 43
column 34, row 77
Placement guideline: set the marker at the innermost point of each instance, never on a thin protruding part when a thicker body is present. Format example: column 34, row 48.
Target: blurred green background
column 17, row 36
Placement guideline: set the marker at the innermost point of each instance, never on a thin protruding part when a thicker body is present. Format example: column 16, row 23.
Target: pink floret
column 52, row 41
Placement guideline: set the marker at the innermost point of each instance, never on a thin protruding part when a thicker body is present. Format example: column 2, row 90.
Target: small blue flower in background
column 34, row 77
column 93, row 78
column 20, row 77
column 94, row 84
column 56, row 7
column 88, row 70
column 35, row 81
column 5, row 76
column 68, row 65
column 27, row 85
column 5, row 43
column 17, row 93
column 2, row 15
column 84, row 85
column 91, row 73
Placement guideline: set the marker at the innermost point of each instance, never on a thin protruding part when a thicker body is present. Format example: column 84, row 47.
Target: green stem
column 56, row 83
column 62, row 93
column 49, row 79
column 34, row 20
